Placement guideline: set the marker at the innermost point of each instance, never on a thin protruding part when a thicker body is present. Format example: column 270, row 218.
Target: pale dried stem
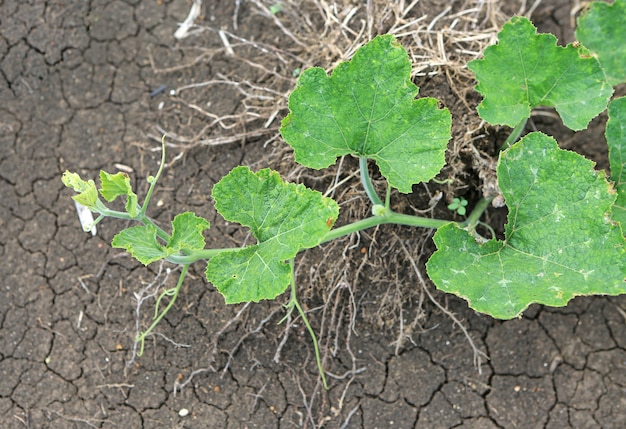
column 147, row 293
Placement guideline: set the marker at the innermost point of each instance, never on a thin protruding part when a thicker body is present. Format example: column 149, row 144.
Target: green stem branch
column 191, row 256
column 139, row 218
column 474, row 217
column 388, row 217
column 154, row 179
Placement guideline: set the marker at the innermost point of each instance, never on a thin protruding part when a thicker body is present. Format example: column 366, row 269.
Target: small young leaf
column 116, row 185
column 526, row 70
column 187, row 231
column 602, row 29
column 559, row 241
column 141, row 243
column 87, row 192
column 368, row 108
column 616, row 139
column 284, row 218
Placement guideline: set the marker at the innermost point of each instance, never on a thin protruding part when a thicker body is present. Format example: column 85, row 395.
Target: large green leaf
column 616, row 139
column 526, row 70
column 603, row 30
column 284, row 218
column 368, row 108
column 559, row 240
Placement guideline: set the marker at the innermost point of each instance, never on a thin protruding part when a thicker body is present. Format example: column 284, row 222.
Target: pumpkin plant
column 564, row 233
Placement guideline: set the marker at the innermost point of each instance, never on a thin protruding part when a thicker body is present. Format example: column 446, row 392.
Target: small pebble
column 183, row 412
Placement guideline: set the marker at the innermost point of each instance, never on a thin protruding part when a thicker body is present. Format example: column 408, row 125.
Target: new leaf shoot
column 86, row 190
column 116, row 185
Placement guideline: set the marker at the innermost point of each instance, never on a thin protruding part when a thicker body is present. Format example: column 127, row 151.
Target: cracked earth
column 79, row 90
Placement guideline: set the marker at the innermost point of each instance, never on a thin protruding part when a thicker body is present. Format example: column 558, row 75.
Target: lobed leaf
column 526, row 70
column 87, row 192
column 367, row 108
column 559, row 241
column 284, row 218
column 187, row 231
column 142, row 243
column 116, row 185
column 602, row 29
column 616, row 139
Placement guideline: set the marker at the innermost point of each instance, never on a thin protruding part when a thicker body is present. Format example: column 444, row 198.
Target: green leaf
column 368, row 108
column 284, row 218
column 141, row 243
column 187, row 231
column 526, row 70
column 559, row 241
column 116, row 185
column 602, row 29
column 87, row 192
column 616, row 139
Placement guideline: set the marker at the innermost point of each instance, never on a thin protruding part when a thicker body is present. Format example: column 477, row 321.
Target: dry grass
column 262, row 68
column 439, row 38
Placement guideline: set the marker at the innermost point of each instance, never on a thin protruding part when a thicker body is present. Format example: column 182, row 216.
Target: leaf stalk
column 367, row 182
column 512, row 138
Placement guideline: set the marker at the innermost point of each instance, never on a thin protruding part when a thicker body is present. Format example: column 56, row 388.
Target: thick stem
column 192, row 256
column 367, row 182
column 388, row 217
